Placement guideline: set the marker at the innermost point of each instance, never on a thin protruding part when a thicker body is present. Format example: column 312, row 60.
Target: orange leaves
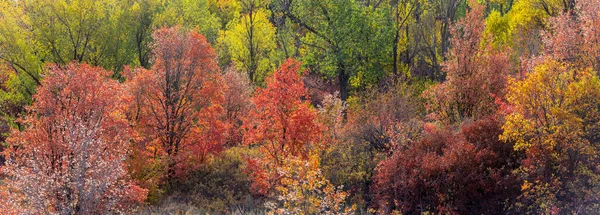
column 554, row 124
column 69, row 160
column 282, row 123
column 177, row 106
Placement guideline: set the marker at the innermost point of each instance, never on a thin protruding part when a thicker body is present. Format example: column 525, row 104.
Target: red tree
column 449, row 173
column 177, row 107
column 476, row 73
column 574, row 36
column 282, row 122
column 69, row 159
column 237, row 103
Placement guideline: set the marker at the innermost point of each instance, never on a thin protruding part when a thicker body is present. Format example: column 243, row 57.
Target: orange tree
column 281, row 124
column 69, row 158
column 177, row 107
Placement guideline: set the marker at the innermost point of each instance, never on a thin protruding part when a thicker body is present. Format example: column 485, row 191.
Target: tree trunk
column 343, row 78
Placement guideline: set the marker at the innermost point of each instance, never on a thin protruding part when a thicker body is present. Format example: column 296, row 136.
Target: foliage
column 36, row 32
column 304, row 190
column 69, row 159
column 237, row 104
column 475, row 74
column 177, row 108
column 331, row 115
column 356, row 145
column 281, row 123
column 250, row 40
column 193, row 15
column 344, row 40
column 447, row 172
column 573, row 37
column 222, row 185
column 413, row 106
column 554, row 122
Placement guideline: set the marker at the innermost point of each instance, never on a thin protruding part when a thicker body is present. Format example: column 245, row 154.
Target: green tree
column 36, row 32
column 189, row 14
column 343, row 39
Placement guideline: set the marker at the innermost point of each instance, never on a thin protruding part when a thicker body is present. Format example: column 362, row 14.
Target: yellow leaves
column 499, row 27
column 552, row 114
column 526, row 185
column 529, row 14
column 515, row 128
column 250, row 39
column 304, row 190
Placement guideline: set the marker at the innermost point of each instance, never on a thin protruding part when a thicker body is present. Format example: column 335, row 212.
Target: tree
column 237, row 104
column 476, row 74
column 447, row 172
column 304, row 190
column 177, row 107
column 250, row 39
column 69, row 159
column 555, row 122
column 36, row 32
column 343, row 40
column 188, row 14
column 573, row 37
column 65, row 31
column 282, row 124
column 139, row 18
column 403, row 12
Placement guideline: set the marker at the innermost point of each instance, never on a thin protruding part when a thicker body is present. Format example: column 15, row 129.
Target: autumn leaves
column 69, row 159
column 85, row 131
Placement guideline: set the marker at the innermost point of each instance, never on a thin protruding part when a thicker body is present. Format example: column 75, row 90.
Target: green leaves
column 345, row 40
column 189, row 14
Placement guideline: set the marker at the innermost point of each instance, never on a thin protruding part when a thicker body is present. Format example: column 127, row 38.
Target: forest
column 299, row 107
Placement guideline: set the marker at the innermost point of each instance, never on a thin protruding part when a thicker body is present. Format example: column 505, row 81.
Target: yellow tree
column 554, row 121
column 188, row 14
column 250, row 39
column 305, row 190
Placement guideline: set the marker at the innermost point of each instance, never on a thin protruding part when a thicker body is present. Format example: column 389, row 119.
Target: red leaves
column 476, row 73
column 282, row 122
column 69, row 159
column 177, row 106
column 574, row 36
column 449, row 173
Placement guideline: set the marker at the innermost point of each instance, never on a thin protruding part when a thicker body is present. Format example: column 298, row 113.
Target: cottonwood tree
column 250, row 39
column 187, row 14
column 69, row 159
column 342, row 39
